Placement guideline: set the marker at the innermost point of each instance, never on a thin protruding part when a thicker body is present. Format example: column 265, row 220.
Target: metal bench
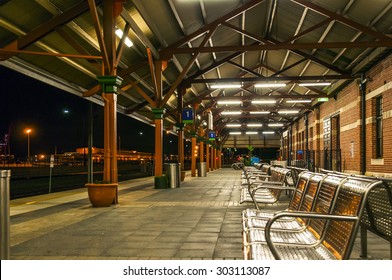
column 266, row 192
column 302, row 200
column 377, row 216
column 333, row 229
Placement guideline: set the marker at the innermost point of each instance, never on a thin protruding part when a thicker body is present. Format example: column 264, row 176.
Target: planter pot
column 102, row 195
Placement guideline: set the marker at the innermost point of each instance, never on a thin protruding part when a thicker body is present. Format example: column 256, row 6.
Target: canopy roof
column 204, row 42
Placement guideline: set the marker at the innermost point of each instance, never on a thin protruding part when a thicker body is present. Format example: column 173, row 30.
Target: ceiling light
column 322, row 99
column 288, row 111
column 233, row 125
column 259, row 112
column 251, row 132
column 229, row 102
column 269, row 85
column 275, row 125
column 268, row 132
column 119, row 34
column 299, row 101
column 254, row 125
column 235, row 133
column 225, row 86
column 314, row 84
column 263, row 101
column 231, row 113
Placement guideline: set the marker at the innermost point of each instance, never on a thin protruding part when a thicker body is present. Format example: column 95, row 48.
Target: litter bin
column 172, row 171
column 202, row 169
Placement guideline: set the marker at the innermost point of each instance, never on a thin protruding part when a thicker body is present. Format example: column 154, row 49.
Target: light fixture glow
column 268, row 132
column 233, row 125
column 314, row 84
column 119, row 34
column 299, row 101
column 254, row 125
column 235, row 133
column 263, row 101
column 231, row 113
column 225, row 86
column 229, row 102
column 288, row 111
column 275, row 125
column 259, row 112
column 251, row 133
column 270, row 85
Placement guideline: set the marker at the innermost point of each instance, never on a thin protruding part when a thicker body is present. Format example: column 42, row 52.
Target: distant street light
column 28, row 131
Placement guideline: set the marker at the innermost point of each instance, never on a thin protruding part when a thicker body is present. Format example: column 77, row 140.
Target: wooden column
column 211, row 158
column 193, row 156
column 207, row 158
column 158, row 120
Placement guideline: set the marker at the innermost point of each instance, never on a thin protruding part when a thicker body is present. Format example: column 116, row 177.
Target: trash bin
column 172, row 171
column 202, row 169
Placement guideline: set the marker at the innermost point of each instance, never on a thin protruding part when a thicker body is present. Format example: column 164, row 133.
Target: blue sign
column 211, row 135
column 187, row 115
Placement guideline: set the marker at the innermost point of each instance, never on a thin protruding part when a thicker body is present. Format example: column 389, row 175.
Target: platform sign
column 211, row 135
column 187, row 115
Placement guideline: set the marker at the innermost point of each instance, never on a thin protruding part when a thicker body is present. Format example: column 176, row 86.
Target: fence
column 315, row 159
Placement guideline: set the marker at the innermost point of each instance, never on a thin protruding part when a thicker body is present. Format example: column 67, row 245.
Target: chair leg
column 363, row 242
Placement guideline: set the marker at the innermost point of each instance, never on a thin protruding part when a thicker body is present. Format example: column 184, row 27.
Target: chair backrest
column 339, row 236
column 377, row 215
column 308, row 198
column 323, row 202
column 301, row 186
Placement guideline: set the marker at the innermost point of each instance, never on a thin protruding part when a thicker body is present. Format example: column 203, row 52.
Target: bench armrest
column 299, row 214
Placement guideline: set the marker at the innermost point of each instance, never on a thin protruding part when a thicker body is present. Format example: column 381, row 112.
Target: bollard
column 5, row 176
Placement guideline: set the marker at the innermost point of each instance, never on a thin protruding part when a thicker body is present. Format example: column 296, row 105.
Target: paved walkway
column 199, row 220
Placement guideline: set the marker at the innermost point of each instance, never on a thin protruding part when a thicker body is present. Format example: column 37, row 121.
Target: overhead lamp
column 235, row 133
column 299, row 101
column 233, row 125
column 322, row 99
column 127, row 42
column 288, row 111
column 254, row 125
column 314, row 84
column 226, row 86
column 251, row 133
column 267, row 85
column 231, row 113
column 229, row 102
column 259, row 112
column 263, row 101
column 268, row 132
column 275, row 124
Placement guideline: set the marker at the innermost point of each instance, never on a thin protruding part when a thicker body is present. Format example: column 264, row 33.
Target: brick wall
column 347, row 106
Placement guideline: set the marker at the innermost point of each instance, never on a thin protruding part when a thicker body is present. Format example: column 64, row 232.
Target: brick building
column 335, row 128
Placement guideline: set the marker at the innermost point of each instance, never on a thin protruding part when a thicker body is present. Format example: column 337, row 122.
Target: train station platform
column 200, row 220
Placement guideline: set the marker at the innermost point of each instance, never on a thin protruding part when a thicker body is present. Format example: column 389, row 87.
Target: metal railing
column 314, row 160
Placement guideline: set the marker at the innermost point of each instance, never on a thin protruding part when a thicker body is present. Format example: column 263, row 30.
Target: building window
column 379, row 151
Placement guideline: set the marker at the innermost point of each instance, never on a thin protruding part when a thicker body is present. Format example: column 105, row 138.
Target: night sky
column 26, row 102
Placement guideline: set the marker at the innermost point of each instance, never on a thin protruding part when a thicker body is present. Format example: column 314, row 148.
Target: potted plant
column 101, row 194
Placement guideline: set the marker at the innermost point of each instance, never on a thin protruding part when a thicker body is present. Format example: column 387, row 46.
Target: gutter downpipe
column 362, row 88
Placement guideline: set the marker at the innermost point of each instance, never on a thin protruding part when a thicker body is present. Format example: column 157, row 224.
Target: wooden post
column 158, row 116
column 193, row 156
column 207, row 158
